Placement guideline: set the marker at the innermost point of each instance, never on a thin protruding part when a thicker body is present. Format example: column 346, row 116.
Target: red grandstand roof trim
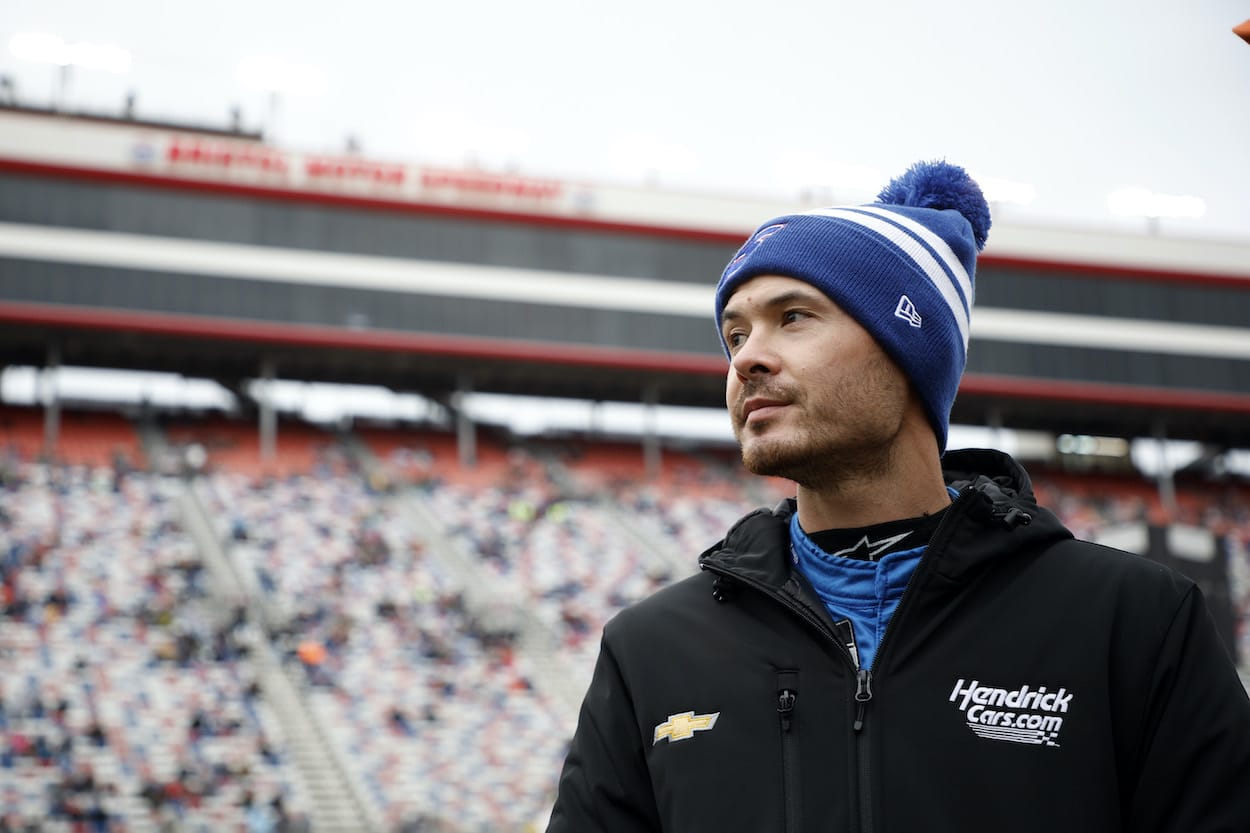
column 579, row 355
column 565, row 221
column 373, row 203
column 1014, row 387
column 1104, row 270
column 269, row 332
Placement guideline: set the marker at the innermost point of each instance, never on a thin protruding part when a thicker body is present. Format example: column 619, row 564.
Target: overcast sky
column 1074, row 98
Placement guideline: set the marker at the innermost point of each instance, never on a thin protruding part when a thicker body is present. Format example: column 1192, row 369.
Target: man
column 911, row 644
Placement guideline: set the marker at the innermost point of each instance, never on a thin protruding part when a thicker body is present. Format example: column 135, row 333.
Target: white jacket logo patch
column 1018, row 715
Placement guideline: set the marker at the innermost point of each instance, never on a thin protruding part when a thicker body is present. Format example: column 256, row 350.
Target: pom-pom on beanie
column 903, row 267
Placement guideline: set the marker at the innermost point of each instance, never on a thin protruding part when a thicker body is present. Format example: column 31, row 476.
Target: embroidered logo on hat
column 906, row 310
column 754, row 243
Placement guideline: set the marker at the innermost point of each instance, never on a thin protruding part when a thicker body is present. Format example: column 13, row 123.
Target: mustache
column 764, row 391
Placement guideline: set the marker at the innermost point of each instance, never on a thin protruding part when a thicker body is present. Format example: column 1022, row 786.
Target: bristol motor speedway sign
column 123, row 148
column 120, row 148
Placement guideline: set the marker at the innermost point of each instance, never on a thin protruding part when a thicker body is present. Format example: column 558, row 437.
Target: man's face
column 811, row 395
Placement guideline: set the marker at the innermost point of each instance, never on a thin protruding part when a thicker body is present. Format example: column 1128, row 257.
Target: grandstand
column 235, row 619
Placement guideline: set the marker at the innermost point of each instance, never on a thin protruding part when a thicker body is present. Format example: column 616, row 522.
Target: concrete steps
column 338, row 802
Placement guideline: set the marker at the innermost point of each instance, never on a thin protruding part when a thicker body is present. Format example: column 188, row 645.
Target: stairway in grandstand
column 133, row 672
column 338, row 804
column 435, row 720
column 488, row 596
column 663, row 556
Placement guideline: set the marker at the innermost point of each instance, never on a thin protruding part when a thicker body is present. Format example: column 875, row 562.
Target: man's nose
column 755, row 356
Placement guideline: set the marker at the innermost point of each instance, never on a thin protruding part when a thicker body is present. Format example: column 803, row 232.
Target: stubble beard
column 846, row 433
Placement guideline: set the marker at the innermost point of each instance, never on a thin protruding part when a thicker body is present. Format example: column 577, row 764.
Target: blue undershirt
column 865, row 592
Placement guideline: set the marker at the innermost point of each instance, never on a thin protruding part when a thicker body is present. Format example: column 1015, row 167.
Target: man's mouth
column 757, row 409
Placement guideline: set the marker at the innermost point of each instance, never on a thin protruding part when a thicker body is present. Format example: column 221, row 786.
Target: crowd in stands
column 431, row 705
column 566, row 557
column 127, row 699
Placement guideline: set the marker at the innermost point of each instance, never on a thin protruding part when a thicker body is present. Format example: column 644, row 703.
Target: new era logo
column 906, row 310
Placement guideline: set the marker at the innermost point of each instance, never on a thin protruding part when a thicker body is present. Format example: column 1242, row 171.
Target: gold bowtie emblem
column 683, row 726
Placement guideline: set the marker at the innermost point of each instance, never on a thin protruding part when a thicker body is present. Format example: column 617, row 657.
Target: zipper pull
column 787, row 694
column 722, row 588
column 863, row 693
column 846, row 632
column 1013, row 517
column 785, row 706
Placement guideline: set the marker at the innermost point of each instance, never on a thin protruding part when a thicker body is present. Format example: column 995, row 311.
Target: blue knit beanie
column 903, row 267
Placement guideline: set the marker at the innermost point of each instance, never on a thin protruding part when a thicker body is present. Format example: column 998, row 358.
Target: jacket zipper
column 863, row 682
column 863, row 676
column 863, row 752
column 787, row 696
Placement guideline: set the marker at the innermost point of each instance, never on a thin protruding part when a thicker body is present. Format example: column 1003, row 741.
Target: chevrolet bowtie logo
column 683, row 726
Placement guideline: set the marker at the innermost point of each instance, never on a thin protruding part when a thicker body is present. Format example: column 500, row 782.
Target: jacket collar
column 995, row 512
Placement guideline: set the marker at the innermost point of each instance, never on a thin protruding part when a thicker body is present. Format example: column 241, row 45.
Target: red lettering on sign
column 361, row 170
column 474, row 182
column 225, row 155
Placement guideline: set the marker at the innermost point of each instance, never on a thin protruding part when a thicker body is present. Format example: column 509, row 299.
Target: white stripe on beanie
column 917, row 252
column 938, row 244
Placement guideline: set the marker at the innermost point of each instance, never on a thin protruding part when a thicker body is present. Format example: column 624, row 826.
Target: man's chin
column 768, row 459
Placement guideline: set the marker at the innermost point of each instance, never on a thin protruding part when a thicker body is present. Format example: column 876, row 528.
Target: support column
column 1164, row 480
column 994, row 421
column 51, row 399
column 594, row 425
column 268, row 417
column 466, row 431
column 651, row 453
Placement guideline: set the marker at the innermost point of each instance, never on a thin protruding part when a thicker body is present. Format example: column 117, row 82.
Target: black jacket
column 1027, row 682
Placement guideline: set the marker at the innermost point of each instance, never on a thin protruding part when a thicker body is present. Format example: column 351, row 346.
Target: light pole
column 43, row 48
column 277, row 77
column 1142, row 202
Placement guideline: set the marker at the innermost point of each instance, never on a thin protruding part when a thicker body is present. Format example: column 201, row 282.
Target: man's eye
column 735, row 339
column 790, row 316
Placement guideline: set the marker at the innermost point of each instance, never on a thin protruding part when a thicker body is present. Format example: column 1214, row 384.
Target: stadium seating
column 234, row 446
column 95, row 438
column 134, row 673
column 125, row 693
column 439, row 716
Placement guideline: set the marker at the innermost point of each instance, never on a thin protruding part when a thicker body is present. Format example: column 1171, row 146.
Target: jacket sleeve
column 1195, row 765
column 605, row 786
